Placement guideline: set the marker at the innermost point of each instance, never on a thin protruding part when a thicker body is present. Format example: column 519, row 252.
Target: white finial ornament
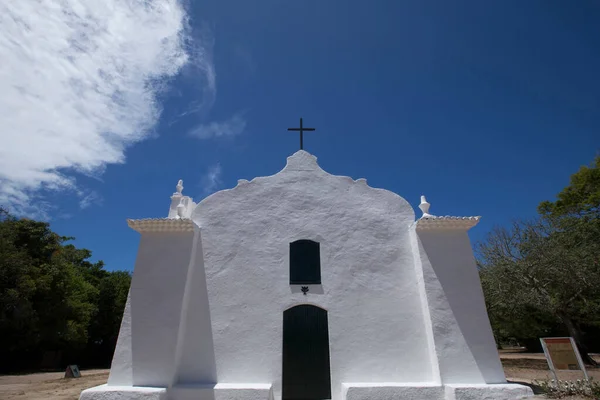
column 180, row 210
column 424, row 206
column 181, row 206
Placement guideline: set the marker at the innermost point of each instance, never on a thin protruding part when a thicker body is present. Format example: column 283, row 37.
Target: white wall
column 377, row 330
column 196, row 353
column 152, row 317
column 121, row 369
column 463, row 336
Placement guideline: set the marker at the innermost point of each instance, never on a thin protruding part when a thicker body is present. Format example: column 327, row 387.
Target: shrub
column 559, row 389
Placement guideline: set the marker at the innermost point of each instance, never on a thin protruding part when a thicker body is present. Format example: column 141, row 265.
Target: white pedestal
column 504, row 391
column 389, row 391
column 221, row 391
column 104, row 392
column 432, row 391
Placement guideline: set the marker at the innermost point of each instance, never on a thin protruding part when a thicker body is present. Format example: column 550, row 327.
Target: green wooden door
column 306, row 371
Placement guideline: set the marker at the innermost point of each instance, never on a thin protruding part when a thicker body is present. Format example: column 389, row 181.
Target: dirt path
column 49, row 385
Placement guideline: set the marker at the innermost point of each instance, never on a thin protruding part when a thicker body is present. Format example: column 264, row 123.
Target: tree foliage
column 578, row 201
column 542, row 276
column 52, row 298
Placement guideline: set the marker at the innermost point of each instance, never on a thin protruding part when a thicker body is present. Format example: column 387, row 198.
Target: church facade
column 304, row 286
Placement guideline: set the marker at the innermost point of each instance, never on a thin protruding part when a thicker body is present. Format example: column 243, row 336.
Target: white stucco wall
column 196, row 356
column 462, row 333
column 121, row 369
column 377, row 329
column 147, row 345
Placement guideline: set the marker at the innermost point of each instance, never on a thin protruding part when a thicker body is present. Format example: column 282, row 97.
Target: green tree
column 537, row 273
column 45, row 297
column 575, row 217
column 534, row 277
column 18, row 319
column 51, row 296
column 580, row 201
column 113, row 290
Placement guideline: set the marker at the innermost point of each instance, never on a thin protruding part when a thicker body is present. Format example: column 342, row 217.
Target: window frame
column 305, row 274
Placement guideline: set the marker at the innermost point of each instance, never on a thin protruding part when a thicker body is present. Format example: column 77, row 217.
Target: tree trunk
column 577, row 337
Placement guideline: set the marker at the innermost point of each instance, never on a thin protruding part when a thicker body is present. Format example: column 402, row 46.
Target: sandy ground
column 519, row 368
column 49, row 385
column 524, row 367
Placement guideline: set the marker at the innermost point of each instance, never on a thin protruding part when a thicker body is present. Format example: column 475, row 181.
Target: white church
column 304, row 286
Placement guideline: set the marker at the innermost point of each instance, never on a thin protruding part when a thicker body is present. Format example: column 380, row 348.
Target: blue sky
column 485, row 107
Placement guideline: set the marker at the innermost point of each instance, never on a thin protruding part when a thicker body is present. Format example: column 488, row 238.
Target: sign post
column 72, row 371
column 562, row 354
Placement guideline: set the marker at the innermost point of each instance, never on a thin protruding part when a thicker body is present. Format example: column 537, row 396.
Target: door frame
column 320, row 312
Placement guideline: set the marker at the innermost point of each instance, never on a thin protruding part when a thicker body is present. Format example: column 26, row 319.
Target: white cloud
column 211, row 179
column 231, row 127
column 89, row 199
column 78, row 84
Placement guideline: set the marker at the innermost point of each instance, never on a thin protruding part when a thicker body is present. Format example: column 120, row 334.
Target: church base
column 350, row 391
column 425, row 391
column 105, row 392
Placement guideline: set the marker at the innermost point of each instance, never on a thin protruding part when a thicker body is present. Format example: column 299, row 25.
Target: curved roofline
column 298, row 162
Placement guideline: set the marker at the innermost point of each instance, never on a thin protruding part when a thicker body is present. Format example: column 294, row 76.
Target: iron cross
column 301, row 129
